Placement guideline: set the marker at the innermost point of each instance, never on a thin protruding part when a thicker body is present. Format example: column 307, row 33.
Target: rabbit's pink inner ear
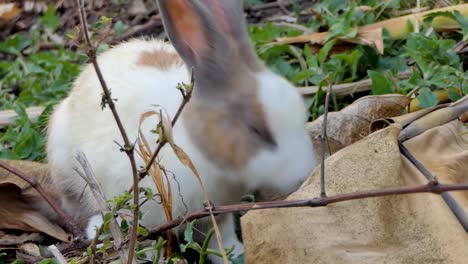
column 187, row 26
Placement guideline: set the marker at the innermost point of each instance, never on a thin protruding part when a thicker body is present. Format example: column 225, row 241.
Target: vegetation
column 31, row 75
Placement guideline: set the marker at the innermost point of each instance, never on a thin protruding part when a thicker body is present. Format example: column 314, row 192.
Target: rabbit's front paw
column 94, row 223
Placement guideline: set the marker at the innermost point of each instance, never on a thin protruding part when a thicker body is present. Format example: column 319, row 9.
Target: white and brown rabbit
column 244, row 127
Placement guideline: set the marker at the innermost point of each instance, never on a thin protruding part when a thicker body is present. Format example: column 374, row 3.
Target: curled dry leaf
column 403, row 120
column 23, row 208
column 163, row 185
column 435, row 118
column 352, row 123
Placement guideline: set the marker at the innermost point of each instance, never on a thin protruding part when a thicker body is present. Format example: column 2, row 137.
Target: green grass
column 34, row 77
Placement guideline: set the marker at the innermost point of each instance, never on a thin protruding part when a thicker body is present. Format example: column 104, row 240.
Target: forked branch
column 128, row 147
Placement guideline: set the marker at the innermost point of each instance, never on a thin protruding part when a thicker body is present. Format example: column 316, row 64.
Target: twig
column 154, row 25
column 87, row 174
column 128, row 147
column 324, row 139
column 94, row 244
column 66, row 219
column 348, row 88
column 314, row 202
column 58, row 256
column 277, row 4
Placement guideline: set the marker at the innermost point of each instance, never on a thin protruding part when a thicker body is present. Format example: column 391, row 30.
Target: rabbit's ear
column 230, row 15
column 198, row 38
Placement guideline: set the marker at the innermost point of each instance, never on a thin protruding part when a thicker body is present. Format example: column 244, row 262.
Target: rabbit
column 244, row 127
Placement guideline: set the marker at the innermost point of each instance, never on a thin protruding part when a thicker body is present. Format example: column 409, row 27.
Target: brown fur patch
column 159, row 59
column 231, row 130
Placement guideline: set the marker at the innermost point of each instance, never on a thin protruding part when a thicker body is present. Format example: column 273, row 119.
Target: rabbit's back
column 142, row 75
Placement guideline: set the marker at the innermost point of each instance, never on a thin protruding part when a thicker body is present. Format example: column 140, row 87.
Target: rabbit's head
column 242, row 116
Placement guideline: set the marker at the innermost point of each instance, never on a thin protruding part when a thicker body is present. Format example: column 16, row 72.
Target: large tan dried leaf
column 352, row 123
column 417, row 228
column 18, row 197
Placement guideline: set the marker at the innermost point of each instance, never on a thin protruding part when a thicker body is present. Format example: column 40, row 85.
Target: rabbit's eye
column 264, row 134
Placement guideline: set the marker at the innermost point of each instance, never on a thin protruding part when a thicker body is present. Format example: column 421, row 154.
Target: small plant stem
column 204, row 248
column 323, row 140
column 128, row 147
column 94, row 244
column 66, row 219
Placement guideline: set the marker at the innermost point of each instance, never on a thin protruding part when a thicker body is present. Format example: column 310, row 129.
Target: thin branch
column 128, row 147
column 314, row 202
column 324, row 139
column 66, row 219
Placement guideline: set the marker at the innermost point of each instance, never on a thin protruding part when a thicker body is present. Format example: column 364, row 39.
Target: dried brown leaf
column 352, row 123
column 14, row 239
column 8, row 11
column 23, row 208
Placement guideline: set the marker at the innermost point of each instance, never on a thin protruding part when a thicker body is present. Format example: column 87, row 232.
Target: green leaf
column 50, row 19
column 119, row 28
column 188, row 233
column 427, row 98
column 239, row 259
column 323, row 53
column 454, row 95
column 380, row 83
column 142, row 231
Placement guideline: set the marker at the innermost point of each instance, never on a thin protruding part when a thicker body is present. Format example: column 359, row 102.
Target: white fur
column 94, row 223
column 79, row 124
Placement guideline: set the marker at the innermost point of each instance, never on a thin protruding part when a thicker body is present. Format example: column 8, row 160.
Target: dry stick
column 323, row 140
column 454, row 206
column 68, row 222
column 87, row 174
column 348, row 88
column 128, row 147
column 276, row 4
column 58, row 256
column 314, row 202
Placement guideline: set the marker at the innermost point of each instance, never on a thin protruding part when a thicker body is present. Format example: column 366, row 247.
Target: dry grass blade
column 185, row 159
column 163, row 185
